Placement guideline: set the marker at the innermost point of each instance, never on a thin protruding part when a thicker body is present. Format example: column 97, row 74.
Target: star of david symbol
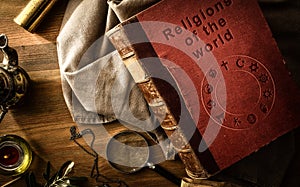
column 254, row 67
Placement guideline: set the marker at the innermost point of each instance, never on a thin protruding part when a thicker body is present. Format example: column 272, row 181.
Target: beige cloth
column 92, row 70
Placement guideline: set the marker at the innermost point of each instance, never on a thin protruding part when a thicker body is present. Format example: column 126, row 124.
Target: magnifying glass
column 129, row 152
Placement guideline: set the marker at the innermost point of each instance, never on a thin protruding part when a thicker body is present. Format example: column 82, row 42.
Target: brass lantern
column 14, row 81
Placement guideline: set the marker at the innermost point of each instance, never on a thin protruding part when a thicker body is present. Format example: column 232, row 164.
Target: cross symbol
column 224, row 64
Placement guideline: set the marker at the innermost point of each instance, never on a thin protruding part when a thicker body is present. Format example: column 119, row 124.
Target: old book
column 212, row 75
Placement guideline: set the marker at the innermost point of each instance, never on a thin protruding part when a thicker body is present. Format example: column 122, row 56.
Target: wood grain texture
column 43, row 119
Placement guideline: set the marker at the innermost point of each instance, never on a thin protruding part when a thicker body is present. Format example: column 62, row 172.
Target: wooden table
column 44, row 120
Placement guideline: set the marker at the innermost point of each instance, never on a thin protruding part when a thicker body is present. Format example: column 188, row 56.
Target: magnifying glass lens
column 127, row 152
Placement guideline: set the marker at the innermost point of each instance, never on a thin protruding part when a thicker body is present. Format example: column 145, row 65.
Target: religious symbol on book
column 225, row 65
column 237, row 121
column 254, row 67
column 240, row 63
column 263, row 108
column 251, row 118
column 211, row 104
column 212, row 73
column 208, row 88
column 240, row 71
column 267, row 94
column 263, row 78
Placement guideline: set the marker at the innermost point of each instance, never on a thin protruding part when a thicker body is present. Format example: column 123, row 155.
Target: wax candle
column 15, row 155
column 10, row 155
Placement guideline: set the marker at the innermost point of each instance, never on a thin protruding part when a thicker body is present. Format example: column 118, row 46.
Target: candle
column 10, row 155
column 15, row 155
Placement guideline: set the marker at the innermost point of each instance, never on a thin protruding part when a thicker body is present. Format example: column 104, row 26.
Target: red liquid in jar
column 9, row 156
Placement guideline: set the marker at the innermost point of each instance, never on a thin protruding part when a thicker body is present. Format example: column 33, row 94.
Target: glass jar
column 15, row 155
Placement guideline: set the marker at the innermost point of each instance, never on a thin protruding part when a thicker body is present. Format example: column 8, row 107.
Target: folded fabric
column 91, row 69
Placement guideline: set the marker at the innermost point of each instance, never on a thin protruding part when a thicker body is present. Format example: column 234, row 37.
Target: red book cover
column 235, row 93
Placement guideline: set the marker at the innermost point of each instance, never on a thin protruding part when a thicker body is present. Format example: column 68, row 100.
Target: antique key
column 14, row 81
